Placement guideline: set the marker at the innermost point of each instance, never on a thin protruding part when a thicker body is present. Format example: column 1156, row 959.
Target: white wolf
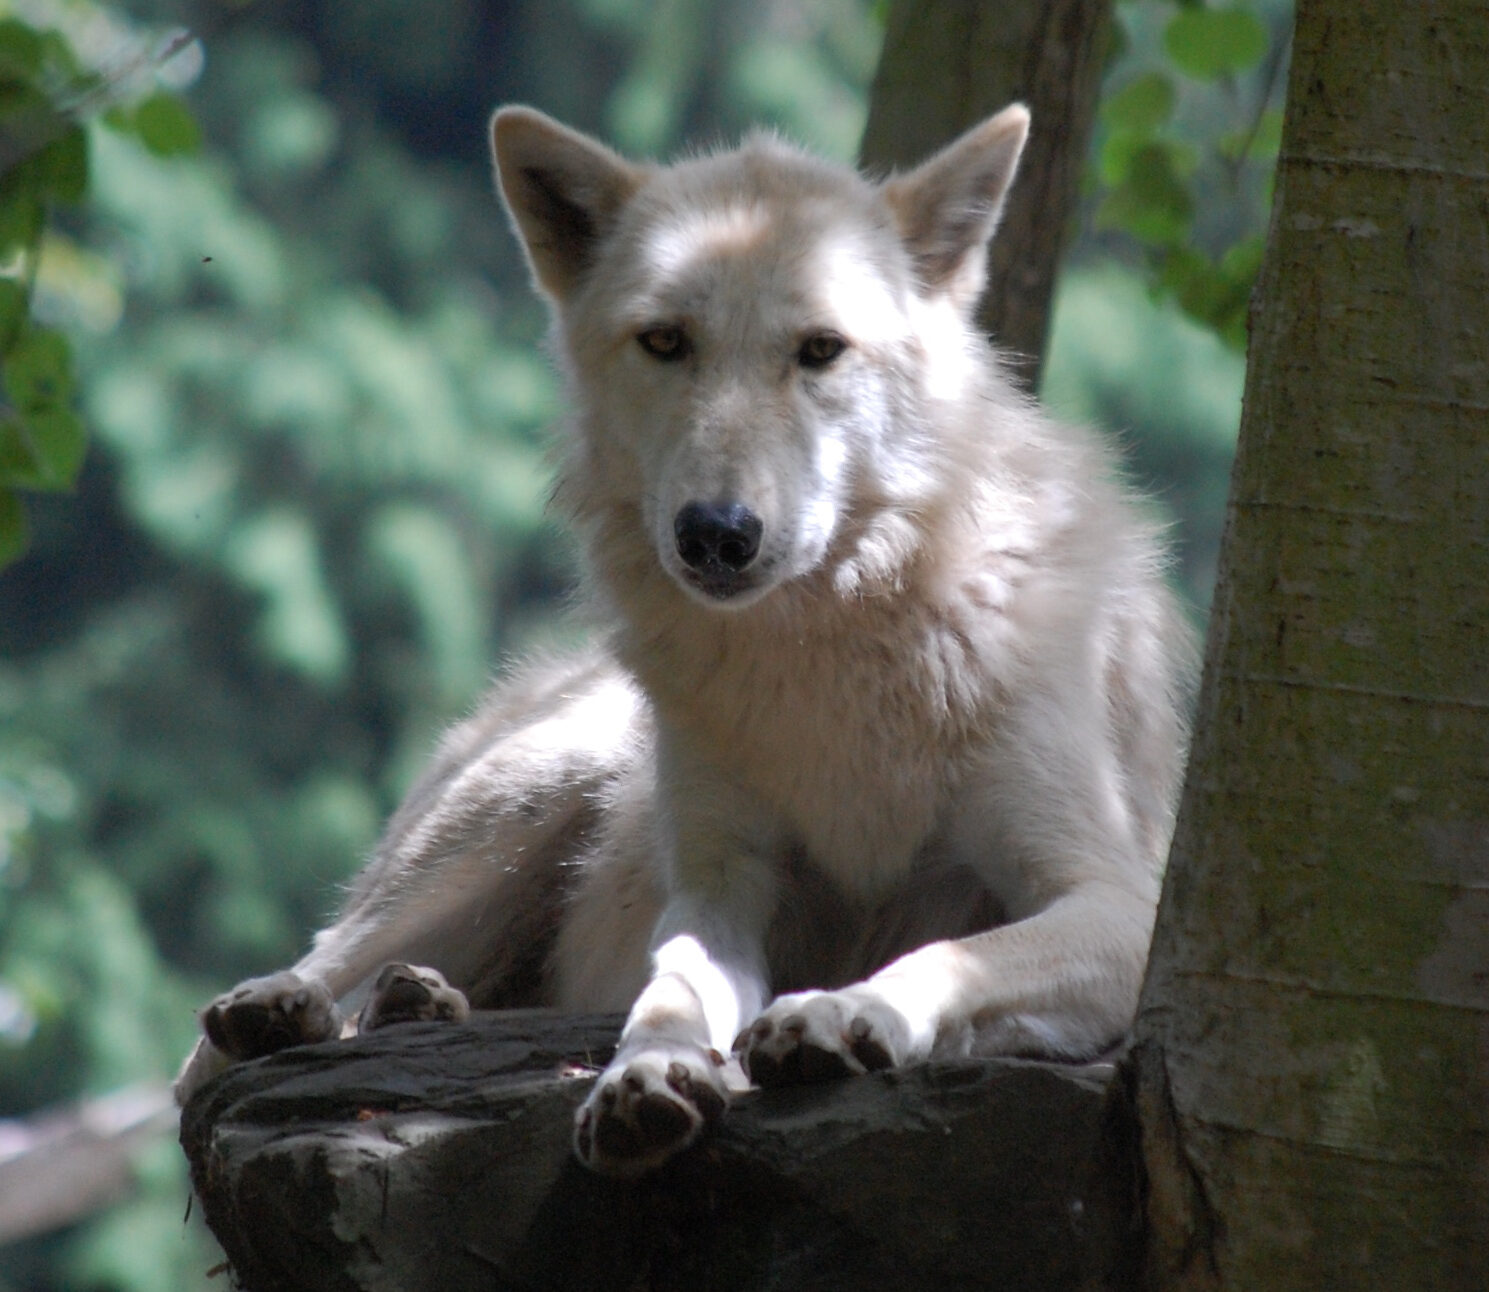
column 878, row 758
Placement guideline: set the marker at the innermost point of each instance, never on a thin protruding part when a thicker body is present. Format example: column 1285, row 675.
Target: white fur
column 913, row 765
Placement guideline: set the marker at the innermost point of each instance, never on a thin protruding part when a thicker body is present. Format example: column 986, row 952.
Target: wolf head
column 754, row 339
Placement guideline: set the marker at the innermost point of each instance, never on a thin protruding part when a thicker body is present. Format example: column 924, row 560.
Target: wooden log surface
column 438, row 1156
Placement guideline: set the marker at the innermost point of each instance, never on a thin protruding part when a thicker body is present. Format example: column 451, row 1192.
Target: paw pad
column 820, row 1036
column 411, row 994
column 649, row 1107
column 266, row 1015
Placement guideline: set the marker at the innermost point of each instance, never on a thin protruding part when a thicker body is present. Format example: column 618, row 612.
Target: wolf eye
column 666, row 342
column 820, row 349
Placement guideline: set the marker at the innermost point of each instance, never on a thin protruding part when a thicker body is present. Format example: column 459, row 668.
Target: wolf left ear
column 948, row 206
column 562, row 189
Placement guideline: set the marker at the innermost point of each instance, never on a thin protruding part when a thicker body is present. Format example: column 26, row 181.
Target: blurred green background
column 310, row 519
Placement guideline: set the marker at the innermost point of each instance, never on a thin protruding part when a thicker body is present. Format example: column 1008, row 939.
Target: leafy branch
column 1146, row 174
column 47, row 95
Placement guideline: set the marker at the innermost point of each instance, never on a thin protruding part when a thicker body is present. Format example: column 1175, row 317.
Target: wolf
column 876, row 754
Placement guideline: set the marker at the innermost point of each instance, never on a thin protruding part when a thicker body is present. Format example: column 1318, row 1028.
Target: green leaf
column 1243, row 261
column 1152, row 203
column 1215, row 294
column 1191, row 278
column 42, row 453
column 1259, row 144
column 62, row 167
column 1211, row 43
column 1269, row 137
column 17, row 461
column 166, row 127
column 60, row 444
column 1141, row 106
column 29, row 121
column 1114, row 162
column 1123, row 155
column 20, row 51
column 15, row 534
column 20, row 219
column 13, row 308
column 59, row 55
column 29, row 129
column 38, row 371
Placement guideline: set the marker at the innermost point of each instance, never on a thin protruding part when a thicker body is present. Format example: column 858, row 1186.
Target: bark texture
column 948, row 65
column 1311, row 1076
column 437, row 1156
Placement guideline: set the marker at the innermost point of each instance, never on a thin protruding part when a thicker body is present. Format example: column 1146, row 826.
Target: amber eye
column 666, row 342
column 820, row 349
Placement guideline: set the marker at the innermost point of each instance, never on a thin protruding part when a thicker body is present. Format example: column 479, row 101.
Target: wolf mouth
column 721, row 584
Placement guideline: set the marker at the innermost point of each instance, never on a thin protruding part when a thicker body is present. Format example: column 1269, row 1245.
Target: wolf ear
column 562, row 190
column 947, row 207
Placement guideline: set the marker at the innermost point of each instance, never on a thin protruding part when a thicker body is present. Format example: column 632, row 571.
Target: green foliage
column 729, row 65
column 1167, row 133
column 1149, row 197
column 164, row 125
column 45, row 94
column 1139, row 109
column 1212, row 43
column 310, row 518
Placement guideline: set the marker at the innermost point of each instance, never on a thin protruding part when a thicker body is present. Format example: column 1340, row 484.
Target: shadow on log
column 437, row 1156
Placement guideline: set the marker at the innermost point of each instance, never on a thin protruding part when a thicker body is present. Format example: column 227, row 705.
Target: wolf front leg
column 1056, row 828
column 480, row 853
column 1059, row 984
column 671, row 1075
column 299, row 1006
column 397, row 912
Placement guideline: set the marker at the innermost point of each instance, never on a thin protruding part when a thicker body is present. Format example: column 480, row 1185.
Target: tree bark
column 948, row 65
column 1310, row 1079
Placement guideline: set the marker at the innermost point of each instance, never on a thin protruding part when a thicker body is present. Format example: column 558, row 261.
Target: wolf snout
column 718, row 542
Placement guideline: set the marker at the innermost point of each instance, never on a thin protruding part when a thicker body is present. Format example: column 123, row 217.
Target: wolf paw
column 819, row 1036
column 264, row 1015
column 412, row 994
column 648, row 1106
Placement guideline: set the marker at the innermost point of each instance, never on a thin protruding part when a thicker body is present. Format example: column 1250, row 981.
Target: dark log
column 437, row 1156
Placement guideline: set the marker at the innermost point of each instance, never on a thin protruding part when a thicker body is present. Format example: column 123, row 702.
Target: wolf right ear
column 562, row 190
column 948, row 207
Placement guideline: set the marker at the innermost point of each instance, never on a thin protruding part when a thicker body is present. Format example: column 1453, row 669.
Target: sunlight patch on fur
column 863, row 305
column 683, row 241
column 687, row 959
column 951, row 365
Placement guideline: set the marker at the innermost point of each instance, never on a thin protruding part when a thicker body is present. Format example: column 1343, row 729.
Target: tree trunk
column 1311, row 1071
column 947, row 66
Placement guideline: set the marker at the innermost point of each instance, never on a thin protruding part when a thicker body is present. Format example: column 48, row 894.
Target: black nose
column 717, row 537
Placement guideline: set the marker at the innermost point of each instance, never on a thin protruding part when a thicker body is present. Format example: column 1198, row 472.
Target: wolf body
column 877, row 755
